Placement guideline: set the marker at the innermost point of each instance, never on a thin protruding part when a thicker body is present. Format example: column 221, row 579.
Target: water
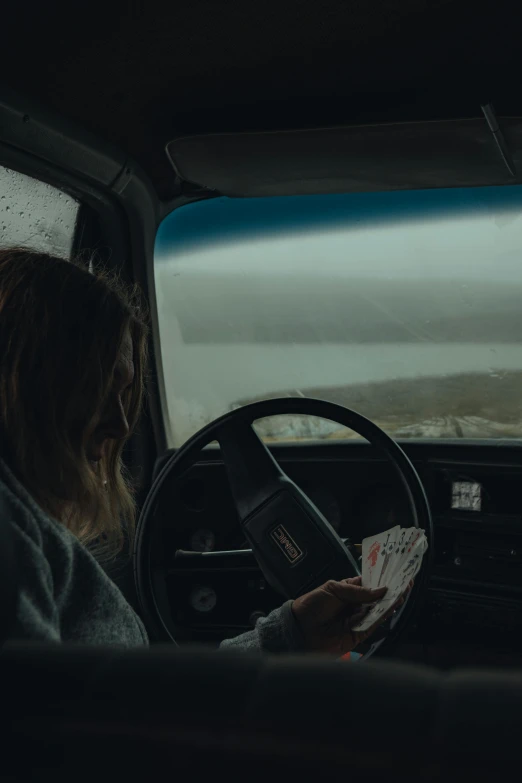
column 204, row 381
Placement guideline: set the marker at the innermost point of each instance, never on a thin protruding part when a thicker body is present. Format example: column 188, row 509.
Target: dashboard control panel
column 477, row 510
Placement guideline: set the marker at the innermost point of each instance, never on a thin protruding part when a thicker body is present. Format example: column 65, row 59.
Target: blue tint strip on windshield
column 225, row 219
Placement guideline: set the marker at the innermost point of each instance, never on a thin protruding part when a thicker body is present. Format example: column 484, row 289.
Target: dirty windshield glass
column 405, row 306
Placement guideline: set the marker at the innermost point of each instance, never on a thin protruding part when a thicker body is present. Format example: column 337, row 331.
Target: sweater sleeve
column 276, row 633
column 37, row 614
column 63, row 593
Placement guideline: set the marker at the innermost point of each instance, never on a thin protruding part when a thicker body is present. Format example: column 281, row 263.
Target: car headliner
column 138, row 74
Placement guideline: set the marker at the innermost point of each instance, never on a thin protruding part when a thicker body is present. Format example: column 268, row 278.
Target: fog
column 343, row 311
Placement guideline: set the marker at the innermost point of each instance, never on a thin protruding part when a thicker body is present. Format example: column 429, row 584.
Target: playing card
column 407, row 570
column 391, row 559
column 407, row 540
column 375, row 613
column 388, row 554
column 373, row 555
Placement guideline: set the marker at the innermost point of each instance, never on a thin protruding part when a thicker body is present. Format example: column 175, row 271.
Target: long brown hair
column 61, row 328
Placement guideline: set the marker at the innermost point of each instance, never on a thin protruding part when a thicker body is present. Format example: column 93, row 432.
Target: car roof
column 139, row 74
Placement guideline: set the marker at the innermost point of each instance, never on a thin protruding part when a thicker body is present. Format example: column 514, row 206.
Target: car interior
column 322, row 204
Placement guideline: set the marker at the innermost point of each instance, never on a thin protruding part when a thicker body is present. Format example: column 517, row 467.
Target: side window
column 35, row 215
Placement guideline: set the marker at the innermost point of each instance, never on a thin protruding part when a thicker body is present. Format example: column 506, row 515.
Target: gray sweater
column 66, row 596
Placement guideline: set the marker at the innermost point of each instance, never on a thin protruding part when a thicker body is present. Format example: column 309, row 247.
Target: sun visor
column 399, row 156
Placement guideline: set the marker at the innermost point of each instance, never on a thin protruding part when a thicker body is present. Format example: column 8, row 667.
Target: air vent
column 490, row 549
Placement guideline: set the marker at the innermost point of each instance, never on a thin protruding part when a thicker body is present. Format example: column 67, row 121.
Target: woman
column 73, row 347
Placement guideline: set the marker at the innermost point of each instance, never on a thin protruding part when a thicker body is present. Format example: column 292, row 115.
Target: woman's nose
column 116, row 425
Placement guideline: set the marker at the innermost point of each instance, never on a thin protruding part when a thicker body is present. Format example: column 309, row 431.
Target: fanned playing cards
column 390, row 559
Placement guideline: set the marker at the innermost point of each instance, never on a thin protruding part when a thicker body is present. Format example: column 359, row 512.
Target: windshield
column 406, row 306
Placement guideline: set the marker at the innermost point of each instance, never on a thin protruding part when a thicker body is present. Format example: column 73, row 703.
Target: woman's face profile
column 112, row 422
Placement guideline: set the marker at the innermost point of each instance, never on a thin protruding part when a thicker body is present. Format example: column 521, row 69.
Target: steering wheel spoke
column 295, row 546
column 253, row 474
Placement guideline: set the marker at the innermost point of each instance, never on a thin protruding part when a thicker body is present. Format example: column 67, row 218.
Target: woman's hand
column 327, row 615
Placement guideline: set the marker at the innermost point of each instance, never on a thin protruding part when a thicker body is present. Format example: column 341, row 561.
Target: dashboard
column 475, row 493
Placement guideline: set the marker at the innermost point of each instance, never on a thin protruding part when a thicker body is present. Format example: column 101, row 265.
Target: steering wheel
column 295, row 546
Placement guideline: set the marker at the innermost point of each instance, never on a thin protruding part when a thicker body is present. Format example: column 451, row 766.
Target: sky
column 485, row 246
column 232, row 222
